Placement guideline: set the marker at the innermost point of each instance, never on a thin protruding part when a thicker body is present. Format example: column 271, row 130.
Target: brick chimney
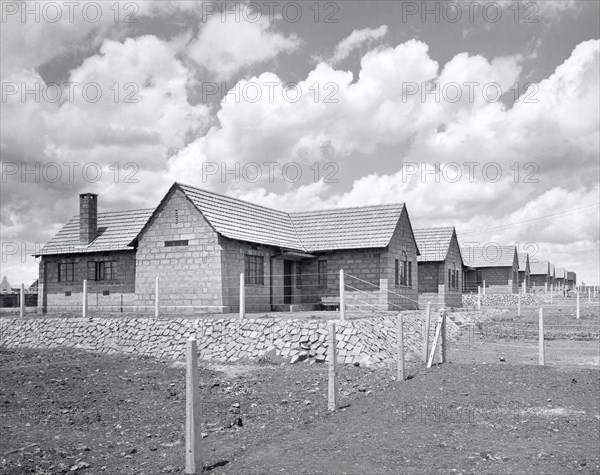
column 88, row 217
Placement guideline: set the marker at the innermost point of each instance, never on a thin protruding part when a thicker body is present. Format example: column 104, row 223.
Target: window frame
column 322, row 273
column 66, row 265
column 254, row 269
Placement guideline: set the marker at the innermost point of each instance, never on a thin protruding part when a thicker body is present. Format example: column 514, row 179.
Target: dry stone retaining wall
column 368, row 342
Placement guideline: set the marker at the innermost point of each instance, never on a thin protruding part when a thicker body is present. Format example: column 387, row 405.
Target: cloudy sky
column 482, row 115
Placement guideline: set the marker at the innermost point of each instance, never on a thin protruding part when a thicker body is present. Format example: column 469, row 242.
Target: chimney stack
column 88, row 217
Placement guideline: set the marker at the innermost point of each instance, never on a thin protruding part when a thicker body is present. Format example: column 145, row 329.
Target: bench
column 330, row 303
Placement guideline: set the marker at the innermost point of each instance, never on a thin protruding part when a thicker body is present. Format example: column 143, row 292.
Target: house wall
column 451, row 297
column 121, row 289
column 401, row 297
column 362, row 272
column 258, row 296
column 500, row 280
column 524, row 277
column 189, row 276
column 538, row 280
column 429, row 273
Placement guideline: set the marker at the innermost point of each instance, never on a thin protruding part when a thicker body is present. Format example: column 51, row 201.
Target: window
column 404, row 276
column 450, row 279
column 66, row 272
column 98, row 271
column 254, row 270
column 410, row 273
column 182, row 242
column 396, row 272
column 322, row 273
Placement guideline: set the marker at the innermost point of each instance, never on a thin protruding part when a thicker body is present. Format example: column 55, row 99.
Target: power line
column 503, row 226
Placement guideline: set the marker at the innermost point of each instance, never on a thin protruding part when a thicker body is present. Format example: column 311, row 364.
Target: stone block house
column 440, row 266
column 493, row 267
column 198, row 242
column 560, row 276
column 539, row 274
column 524, row 271
column 571, row 280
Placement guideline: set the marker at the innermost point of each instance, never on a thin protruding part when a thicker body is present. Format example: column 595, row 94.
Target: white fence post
column 552, row 293
column 443, row 342
column 484, row 287
column 156, row 299
column 478, row 297
column 242, row 297
column 589, row 296
column 85, row 299
column 518, row 304
column 193, row 434
column 332, row 354
column 577, row 307
column 400, row 342
column 342, row 296
column 541, row 348
column 426, row 332
column 22, row 301
column 524, row 287
column 546, row 287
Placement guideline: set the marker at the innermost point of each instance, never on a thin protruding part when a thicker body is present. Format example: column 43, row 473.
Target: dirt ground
column 68, row 411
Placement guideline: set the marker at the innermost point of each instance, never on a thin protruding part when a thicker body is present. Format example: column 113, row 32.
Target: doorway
column 288, row 267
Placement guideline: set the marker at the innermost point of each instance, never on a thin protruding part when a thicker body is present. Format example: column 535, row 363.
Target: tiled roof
column 523, row 258
column 310, row 231
column 116, row 231
column 347, row 228
column 560, row 273
column 488, row 256
column 244, row 221
column 539, row 267
column 433, row 243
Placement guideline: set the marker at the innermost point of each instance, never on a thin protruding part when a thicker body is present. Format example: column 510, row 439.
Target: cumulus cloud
column 227, row 47
column 355, row 40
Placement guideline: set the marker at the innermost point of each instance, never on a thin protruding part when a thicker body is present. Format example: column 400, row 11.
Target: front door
column 287, row 281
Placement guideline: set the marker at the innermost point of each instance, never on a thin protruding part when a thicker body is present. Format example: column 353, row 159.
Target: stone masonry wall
column 369, row 341
column 189, row 275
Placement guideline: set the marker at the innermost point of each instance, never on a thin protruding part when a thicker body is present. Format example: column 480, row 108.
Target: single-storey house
column 560, row 275
column 493, row 266
column 571, row 280
column 539, row 274
column 198, row 242
column 440, row 266
column 524, row 270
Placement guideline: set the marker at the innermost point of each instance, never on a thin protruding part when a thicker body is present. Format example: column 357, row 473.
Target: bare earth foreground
column 68, row 410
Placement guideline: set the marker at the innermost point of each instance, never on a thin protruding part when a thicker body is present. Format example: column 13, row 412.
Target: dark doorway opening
column 288, row 267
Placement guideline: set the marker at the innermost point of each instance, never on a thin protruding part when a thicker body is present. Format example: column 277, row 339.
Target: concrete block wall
column 369, row 341
column 190, row 276
column 404, row 297
column 53, row 294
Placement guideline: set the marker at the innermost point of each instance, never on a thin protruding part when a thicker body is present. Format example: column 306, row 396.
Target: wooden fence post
column 193, row 434
column 426, row 332
column 85, row 299
column 242, row 297
column 577, row 306
column 332, row 404
column 400, row 343
column 342, row 296
column 541, row 348
column 156, row 299
column 443, row 336
column 22, row 301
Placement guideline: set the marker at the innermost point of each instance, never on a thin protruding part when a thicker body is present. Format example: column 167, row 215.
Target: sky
column 480, row 115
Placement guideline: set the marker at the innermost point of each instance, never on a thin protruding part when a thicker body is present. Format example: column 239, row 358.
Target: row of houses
column 11, row 296
column 198, row 243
